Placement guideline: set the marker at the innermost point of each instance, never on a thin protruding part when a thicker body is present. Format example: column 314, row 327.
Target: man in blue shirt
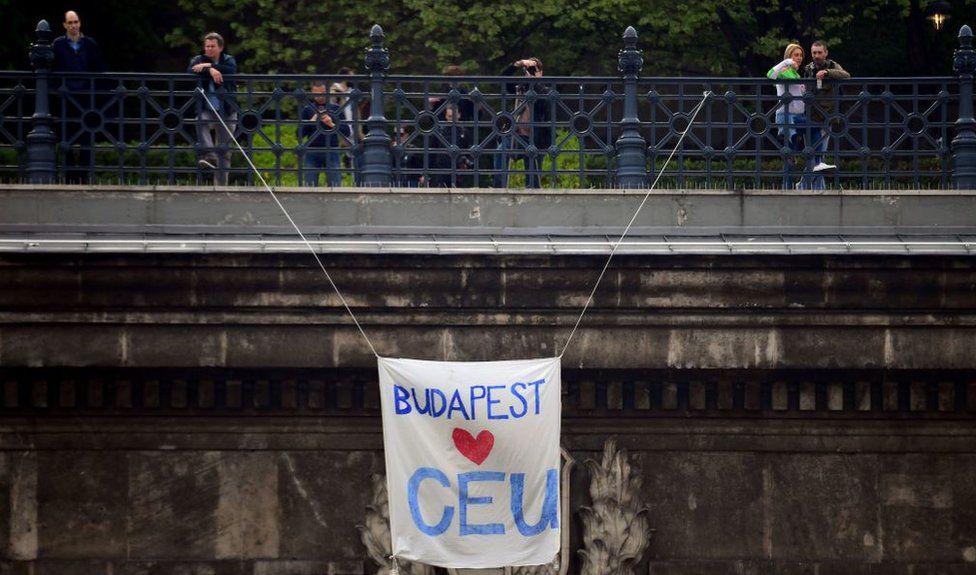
column 75, row 52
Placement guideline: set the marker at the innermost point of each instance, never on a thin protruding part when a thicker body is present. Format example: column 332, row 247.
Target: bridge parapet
column 479, row 131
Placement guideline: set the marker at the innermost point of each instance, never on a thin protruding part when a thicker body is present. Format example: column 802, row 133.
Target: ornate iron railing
column 484, row 131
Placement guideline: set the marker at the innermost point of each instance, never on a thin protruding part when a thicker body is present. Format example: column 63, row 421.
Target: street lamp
column 938, row 12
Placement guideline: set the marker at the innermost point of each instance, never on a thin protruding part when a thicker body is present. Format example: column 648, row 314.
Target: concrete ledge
column 483, row 210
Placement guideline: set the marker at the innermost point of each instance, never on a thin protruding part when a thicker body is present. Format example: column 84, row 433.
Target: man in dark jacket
column 210, row 69
column 824, row 71
column 531, row 133
column 318, row 132
column 75, row 52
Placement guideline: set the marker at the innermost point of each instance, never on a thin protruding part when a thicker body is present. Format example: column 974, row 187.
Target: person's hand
column 218, row 78
column 200, row 67
column 327, row 121
column 821, row 74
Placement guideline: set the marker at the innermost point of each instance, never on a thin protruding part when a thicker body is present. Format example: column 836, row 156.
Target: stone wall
column 217, row 414
column 279, row 494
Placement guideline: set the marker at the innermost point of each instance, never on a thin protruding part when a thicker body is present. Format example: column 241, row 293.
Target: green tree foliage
column 680, row 37
column 273, row 36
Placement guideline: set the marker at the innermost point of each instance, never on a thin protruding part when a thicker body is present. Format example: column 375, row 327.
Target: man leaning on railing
column 824, row 71
column 210, row 68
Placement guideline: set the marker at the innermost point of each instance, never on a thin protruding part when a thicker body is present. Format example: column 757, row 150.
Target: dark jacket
column 227, row 66
column 87, row 58
column 450, row 134
column 541, row 130
column 827, row 96
column 316, row 134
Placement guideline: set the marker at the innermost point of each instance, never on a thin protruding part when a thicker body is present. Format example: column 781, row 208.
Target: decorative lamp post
column 377, row 171
column 41, row 159
column 964, row 144
column 631, row 152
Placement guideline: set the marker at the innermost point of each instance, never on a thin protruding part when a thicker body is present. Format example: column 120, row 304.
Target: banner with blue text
column 472, row 460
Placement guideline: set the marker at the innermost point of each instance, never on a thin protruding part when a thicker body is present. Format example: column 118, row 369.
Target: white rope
column 290, row 220
column 616, row 244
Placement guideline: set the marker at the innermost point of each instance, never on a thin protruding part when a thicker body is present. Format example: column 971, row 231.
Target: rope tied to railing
column 274, row 196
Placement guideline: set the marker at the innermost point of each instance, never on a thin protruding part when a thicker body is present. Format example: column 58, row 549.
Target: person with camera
column 531, row 136
column 319, row 133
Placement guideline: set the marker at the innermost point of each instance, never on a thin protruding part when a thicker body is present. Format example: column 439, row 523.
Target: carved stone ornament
column 615, row 527
column 375, row 534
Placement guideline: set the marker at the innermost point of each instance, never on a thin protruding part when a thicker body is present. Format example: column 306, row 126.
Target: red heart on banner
column 475, row 449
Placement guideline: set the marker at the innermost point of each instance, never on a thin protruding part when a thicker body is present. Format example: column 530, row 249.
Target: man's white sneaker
column 823, row 167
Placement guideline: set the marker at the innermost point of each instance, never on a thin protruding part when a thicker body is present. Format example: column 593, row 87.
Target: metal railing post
column 631, row 147
column 41, row 158
column 964, row 144
column 377, row 170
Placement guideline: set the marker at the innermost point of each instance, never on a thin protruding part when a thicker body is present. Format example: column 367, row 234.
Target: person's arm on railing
column 837, row 72
column 195, row 64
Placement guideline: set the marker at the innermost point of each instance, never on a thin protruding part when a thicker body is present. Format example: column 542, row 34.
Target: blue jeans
column 533, row 165
column 817, row 138
column 317, row 161
column 793, row 128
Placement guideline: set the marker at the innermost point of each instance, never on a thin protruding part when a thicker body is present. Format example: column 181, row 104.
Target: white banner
column 472, row 460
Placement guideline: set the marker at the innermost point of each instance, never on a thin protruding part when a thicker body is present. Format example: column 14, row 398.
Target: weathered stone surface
column 239, row 310
column 862, row 347
column 928, row 507
column 82, row 504
column 166, row 344
column 943, row 569
column 714, row 288
column 183, row 568
column 323, row 498
column 696, row 497
column 589, row 349
column 248, row 515
column 166, row 284
column 810, row 512
column 293, row 567
column 945, row 348
column 18, row 505
column 274, row 346
column 80, row 567
column 724, row 349
column 78, row 345
column 775, row 567
column 850, row 568
column 174, row 499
